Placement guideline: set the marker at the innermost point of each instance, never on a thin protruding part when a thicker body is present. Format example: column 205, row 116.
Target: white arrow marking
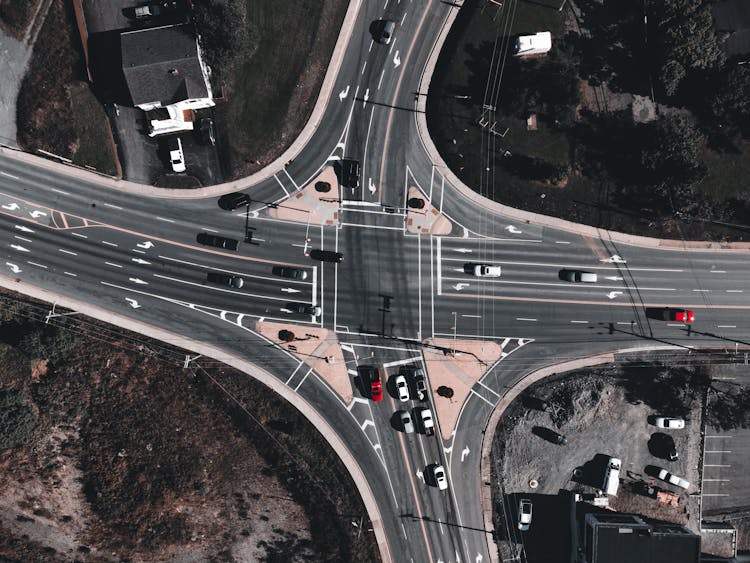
column 370, row 186
column 460, row 286
column 24, row 229
column 13, row 268
column 289, row 290
column 613, row 278
column 464, row 453
column 367, row 96
column 512, row 229
column 36, row 214
column 138, row 280
column 343, row 94
column 11, row 206
column 140, row 261
column 396, row 60
column 478, row 558
column 614, row 258
column 458, row 557
column 420, row 475
column 613, row 294
column 18, row 247
column 133, row 303
column 147, row 244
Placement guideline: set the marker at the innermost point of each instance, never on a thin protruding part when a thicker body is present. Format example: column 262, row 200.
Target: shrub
column 17, row 419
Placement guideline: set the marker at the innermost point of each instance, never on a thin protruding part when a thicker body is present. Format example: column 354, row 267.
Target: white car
column 176, row 156
column 487, row 271
column 524, row 514
column 406, row 422
column 402, row 388
column 665, row 475
column 438, row 472
column 667, row 422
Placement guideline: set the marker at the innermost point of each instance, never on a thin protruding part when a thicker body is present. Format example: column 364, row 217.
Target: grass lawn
column 272, row 93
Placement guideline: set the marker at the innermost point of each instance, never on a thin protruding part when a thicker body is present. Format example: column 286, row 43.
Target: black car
column 664, row 446
column 286, row 272
column 207, row 131
column 350, row 173
column 217, row 241
column 230, row 202
column 417, row 376
column 224, row 279
column 326, row 255
column 303, row 309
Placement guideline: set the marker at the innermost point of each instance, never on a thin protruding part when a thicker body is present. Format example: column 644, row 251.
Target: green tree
column 17, row 419
column 730, row 103
column 225, row 31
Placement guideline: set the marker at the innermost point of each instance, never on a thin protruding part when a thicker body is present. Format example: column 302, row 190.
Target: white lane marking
column 548, row 265
column 133, row 303
column 165, row 219
column 718, row 451
column 550, row 284
column 113, row 264
column 209, row 230
column 717, row 480
column 63, row 192
column 561, row 242
column 734, row 291
column 9, row 175
column 726, row 326
column 717, row 272
column 24, row 229
column 247, row 275
column 36, row 214
column 720, row 437
column 19, row 248
column 11, row 206
column 139, row 281
column 112, row 206
column 715, row 494
column 464, row 453
column 716, row 465
column 364, row 66
column 67, row 252
column 138, row 251
column 109, row 243
column 303, row 379
column 19, row 237
column 140, row 261
column 36, row 264
column 382, row 73
column 472, row 316
column 145, row 244
column 79, row 235
column 344, row 93
column 70, row 274
column 299, row 365
column 281, row 184
column 702, row 290
column 212, row 288
column 402, row 362
column 579, row 322
column 485, row 400
column 525, row 319
column 13, row 268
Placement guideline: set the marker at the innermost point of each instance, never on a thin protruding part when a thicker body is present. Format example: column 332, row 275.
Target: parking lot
column 601, row 419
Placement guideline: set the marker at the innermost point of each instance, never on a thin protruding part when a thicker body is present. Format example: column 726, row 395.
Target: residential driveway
column 14, row 56
column 139, row 153
column 726, row 480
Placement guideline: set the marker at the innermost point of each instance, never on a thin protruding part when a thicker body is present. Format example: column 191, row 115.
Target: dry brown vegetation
column 132, row 456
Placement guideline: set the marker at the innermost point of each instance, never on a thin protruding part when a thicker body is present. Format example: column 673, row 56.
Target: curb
column 177, row 340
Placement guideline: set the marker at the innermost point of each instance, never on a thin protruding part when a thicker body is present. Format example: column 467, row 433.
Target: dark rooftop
column 161, row 64
column 732, row 24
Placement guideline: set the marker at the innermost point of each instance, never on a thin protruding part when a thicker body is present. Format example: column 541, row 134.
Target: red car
column 680, row 315
column 376, row 382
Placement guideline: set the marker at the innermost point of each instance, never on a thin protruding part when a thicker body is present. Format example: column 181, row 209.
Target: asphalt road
column 138, row 256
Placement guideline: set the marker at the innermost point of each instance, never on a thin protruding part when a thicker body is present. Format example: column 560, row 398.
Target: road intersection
column 398, row 291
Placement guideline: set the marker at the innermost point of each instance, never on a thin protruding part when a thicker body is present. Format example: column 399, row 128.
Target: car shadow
column 591, row 473
column 469, row 267
column 652, row 471
column 656, row 445
column 395, row 421
column 546, row 434
column 362, row 381
column 429, row 476
column 657, row 313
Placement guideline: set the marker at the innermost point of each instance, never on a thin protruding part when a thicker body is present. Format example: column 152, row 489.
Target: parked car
column 176, row 156
column 287, row 272
column 217, row 241
column 224, row 279
column 669, row 422
column 230, row 202
column 679, row 315
column 428, row 424
column 406, row 422
column 664, row 446
column 208, row 135
column 303, row 309
column 577, row 276
column 487, row 271
column 326, row 255
column 525, row 510
column 402, row 388
column 665, row 475
column 438, row 473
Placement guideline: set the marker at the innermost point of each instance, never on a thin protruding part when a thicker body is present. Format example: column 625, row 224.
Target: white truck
column 428, row 425
column 612, row 476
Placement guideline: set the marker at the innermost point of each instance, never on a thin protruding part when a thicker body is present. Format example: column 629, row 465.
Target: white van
column 612, row 476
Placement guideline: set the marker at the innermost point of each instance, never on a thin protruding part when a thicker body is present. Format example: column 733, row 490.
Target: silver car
column 406, row 422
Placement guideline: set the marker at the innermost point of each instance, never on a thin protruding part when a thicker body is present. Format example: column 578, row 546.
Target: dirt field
column 600, row 414
column 122, row 455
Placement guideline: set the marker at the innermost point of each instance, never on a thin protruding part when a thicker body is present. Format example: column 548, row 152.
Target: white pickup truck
column 428, row 425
